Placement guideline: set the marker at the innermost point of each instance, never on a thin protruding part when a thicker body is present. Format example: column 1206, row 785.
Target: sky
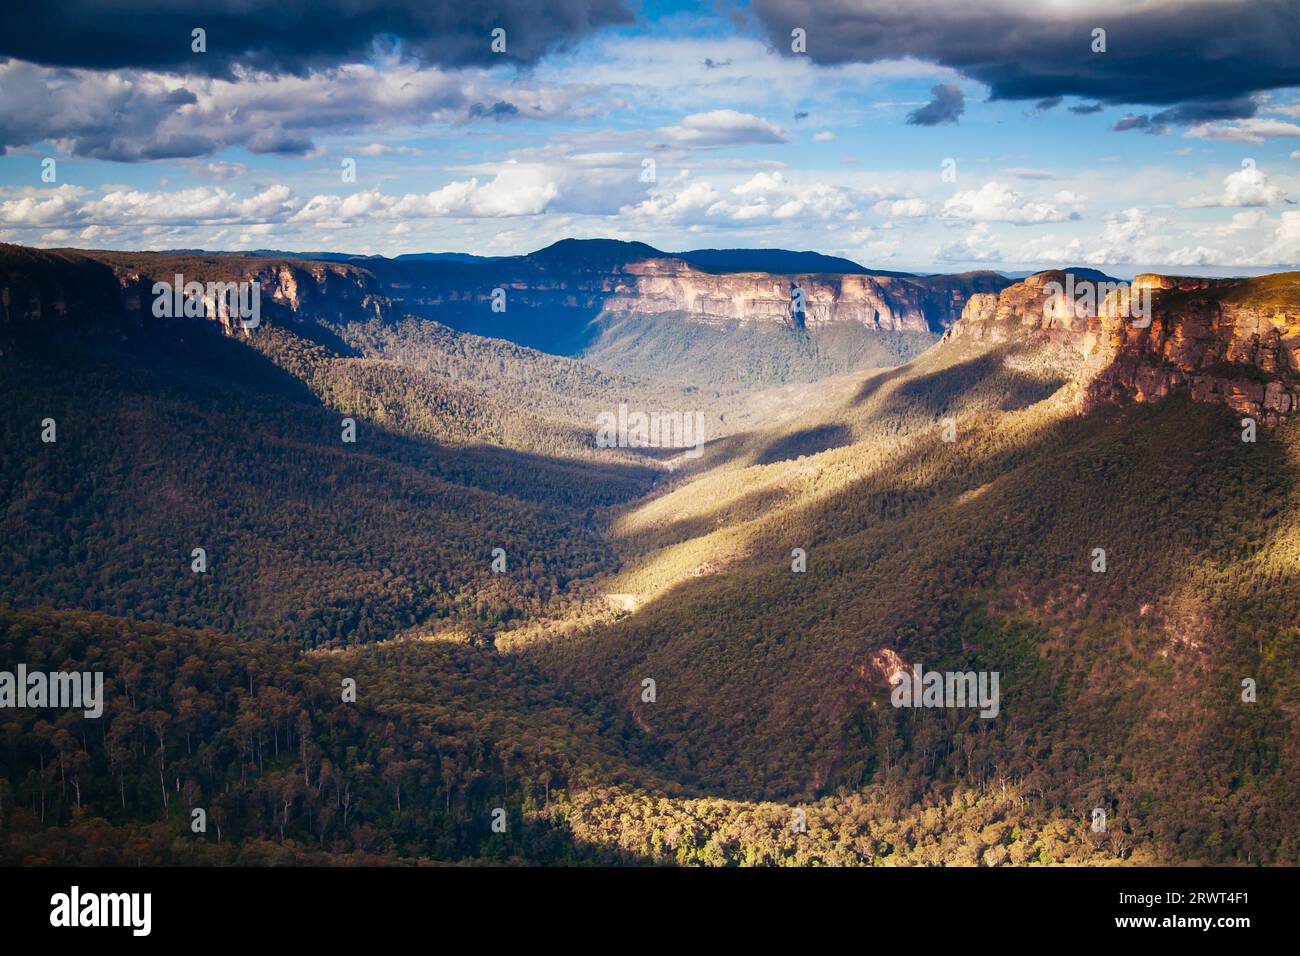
column 933, row 135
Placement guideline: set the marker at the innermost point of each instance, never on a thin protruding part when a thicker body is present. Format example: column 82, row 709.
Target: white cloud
column 1285, row 247
column 1137, row 237
column 1134, row 235
column 718, row 128
column 1248, row 186
column 975, row 246
column 519, row 191
column 1253, row 130
column 134, row 115
column 771, row 194
column 1243, row 222
column 225, row 171
column 669, row 72
column 764, row 197
column 42, row 207
column 902, row 208
column 383, row 149
column 693, row 200
column 1020, row 172
column 994, row 202
column 201, row 204
column 825, row 136
column 1051, row 249
column 514, row 191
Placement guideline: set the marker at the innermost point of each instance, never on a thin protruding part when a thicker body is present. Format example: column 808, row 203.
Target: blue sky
column 752, row 144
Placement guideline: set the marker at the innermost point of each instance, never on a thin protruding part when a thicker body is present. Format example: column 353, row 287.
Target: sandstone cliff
column 1230, row 341
column 43, row 283
column 881, row 302
column 37, row 285
column 588, row 282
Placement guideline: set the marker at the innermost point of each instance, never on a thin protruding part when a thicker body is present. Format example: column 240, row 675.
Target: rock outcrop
column 37, row 285
column 642, row 281
column 885, row 303
column 1229, row 341
column 42, row 283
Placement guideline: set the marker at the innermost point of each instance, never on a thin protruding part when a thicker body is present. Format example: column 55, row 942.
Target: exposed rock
column 882, row 302
column 1234, row 342
column 660, row 284
column 36, row 285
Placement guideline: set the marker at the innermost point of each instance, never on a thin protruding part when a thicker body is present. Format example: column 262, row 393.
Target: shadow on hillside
column 984, row 381
column 460, row 295
column 881, row 564
column 876, row 382
column 941, row 391
column 543, row 322
column 920, row 400
column 808, row 441
column 938, row 392
column 193, row 360
column 744, row 508
column 189, row 355
column 324, row 335
column 755, row 695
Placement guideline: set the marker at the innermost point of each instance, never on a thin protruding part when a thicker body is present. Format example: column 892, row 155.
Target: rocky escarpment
column 568, row 284
column 1229, row 341
column 884, row 303
column 38, row 285
column 585, row 281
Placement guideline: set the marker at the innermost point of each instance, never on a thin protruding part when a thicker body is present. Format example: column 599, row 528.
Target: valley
column 522, row 689
column 631, row 308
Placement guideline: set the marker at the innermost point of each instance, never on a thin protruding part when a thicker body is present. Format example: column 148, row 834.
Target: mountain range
column 950, row 472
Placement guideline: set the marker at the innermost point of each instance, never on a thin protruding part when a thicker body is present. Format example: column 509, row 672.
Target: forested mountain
column 729, row 318
column 948, row 512
column 1121, row 688
column 777, row 261
column 715, row 316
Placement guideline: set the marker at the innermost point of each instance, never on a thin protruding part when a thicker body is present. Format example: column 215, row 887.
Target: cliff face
column 37, row 285
column 1229, row 341
column 879, row 302
column 659, row 285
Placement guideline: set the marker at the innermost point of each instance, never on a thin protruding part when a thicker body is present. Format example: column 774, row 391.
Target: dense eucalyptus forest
column 429, row 602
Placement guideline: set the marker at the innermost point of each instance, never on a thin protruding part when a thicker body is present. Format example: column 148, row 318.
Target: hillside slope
column 1120, row 688
column 176, row 434
column 950, row 512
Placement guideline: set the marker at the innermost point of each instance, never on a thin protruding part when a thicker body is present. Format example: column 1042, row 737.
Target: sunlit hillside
column 677, row 659
column 1121, row 689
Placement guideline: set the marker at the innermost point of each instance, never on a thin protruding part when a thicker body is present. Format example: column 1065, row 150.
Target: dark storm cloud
column 291, row 35
column 1142, row 122
column 496, row 111
column 280, row 143
column 1186, row 114
column 1157, row 53
column 1206, row 110
column 949, row 103
column 1083, row 109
